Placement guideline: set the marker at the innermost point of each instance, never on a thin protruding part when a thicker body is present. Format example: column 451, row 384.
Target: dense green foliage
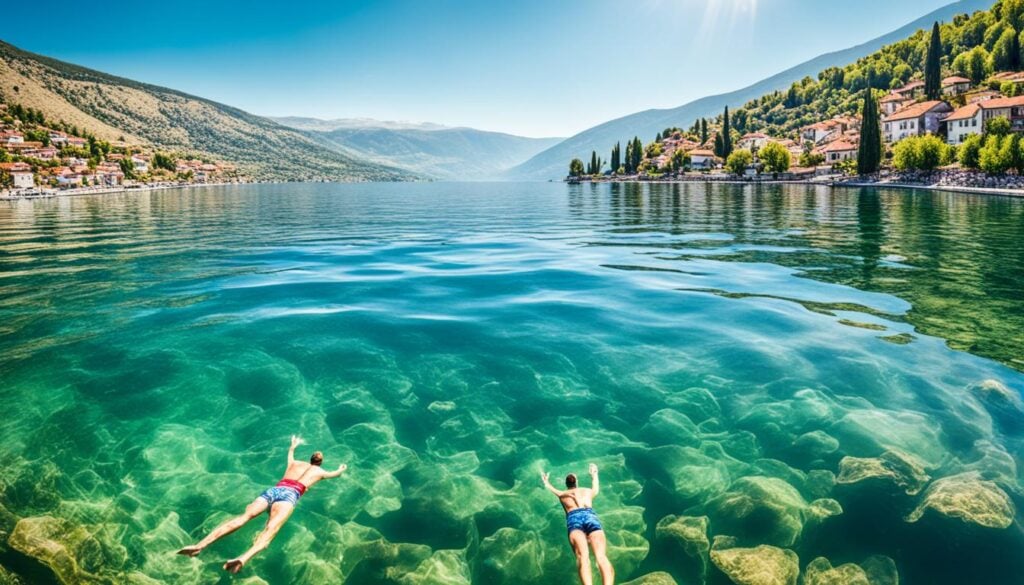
column 576, row 168
column 970, row 152
column 1000, row 154
column 776, row 158
column 933, row 66
column 921, row 153
column 738, row 161
column 973, row 45
column 616, row 158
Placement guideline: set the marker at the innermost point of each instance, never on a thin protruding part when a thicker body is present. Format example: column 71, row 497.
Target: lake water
column 831, row 373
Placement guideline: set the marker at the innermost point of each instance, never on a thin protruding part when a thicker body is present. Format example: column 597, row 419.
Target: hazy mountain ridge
column 428, row 149
column 112, row 107
column 318, row 125
column 552, row 163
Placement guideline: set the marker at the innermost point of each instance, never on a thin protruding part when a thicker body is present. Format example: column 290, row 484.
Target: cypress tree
column 933, row 66
column 616, row 158
column 869, row 155
column 593, row 170
column 658, row 137
column 719, row 146
column 726, row 135
column 703, row 130
column 629, row 157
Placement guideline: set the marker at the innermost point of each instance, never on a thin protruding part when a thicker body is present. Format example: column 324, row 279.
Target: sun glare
column 725, row 16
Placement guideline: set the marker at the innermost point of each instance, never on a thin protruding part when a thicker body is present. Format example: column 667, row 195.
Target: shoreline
column 56, row 194
column 825, row 183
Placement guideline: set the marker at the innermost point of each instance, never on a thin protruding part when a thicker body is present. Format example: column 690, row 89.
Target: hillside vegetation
column 112, row 108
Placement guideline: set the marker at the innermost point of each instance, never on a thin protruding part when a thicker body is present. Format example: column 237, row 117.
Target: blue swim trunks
column 280, row 494
column 582, row 519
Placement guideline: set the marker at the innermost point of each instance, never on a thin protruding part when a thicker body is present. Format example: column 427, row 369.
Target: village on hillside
column 39, row 157
column 957, row 121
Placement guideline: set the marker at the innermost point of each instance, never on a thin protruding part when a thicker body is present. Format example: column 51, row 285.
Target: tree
column 933, row 66
column 1006, row 52
column 921, row 153
column 738, row 161
column 811, row 159
column 575, row 167
column 999, row 126
column 127, row 167
column 680, row 160
column 637, row 154
column 726, row 134
column 703, row 130
column 719, row 145
column 776, row 158
column 970, row 151
column 167, row 162
column 616, row 157
column 869, row 154
column 991, row 157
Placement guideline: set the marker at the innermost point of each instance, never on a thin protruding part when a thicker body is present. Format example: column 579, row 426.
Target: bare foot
column 190, row 551
column 233, row 566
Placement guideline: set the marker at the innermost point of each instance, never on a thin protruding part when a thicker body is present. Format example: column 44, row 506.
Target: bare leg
column 251, row 511
column 597, row 540
column 579, row 546
column 279, row 514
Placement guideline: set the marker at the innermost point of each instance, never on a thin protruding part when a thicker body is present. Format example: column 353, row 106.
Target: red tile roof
column 965, row 113
column 839, row 146
column 1002, row 102
column 914, row 111
column 893, row 97
column 954, row 80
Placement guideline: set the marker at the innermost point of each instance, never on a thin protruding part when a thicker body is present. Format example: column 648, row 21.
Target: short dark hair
column 570, row 480
column 317, row 458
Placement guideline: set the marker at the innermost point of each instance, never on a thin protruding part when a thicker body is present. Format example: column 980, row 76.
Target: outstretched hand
column 296, row 441
column 342, row 467
column 544, row 477
column 593, row 469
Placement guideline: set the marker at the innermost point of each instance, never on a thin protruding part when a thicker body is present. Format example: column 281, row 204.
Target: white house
column 1011, row 108
column 140, row 164
column 753, row 141
column 914, row 120
column 964, row 122
column 21, row 174
column 838, row 151
column 893, row 103
column 956, row 85
column 702, row 159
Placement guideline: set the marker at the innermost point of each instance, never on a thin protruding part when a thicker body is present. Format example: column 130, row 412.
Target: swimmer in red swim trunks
column 280, row 499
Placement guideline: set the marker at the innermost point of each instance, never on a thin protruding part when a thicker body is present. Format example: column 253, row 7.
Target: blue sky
column 530, row 67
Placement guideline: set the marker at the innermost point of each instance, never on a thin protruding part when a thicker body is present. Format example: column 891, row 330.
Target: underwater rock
column 697, row 403
column 670, row 427
column 1004, row 405
column 823, row 508
column 816, row 443
column 58, row 545
column 444, row 567
column 760, row 565
column 868, row 431
column 690, row 532
column 875, row 570
column 902, row 469
column 969, row 498
column 761, row 509
column 658, row 578
column 9, row 578
column 441, row 406
column 510, row 556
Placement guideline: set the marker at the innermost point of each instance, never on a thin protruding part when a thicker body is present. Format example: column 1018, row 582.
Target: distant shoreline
column 107, row 191
column 820, row 183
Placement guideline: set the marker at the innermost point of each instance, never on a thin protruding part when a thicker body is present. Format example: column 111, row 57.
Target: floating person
column 280, row 499
column 583, row 525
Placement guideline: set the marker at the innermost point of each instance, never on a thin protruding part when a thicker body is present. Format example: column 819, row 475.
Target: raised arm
column 341, row 469
column 595, row 484
column 547, row 484
column 296, row 441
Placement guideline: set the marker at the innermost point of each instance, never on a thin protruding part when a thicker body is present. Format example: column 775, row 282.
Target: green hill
column 113, row 107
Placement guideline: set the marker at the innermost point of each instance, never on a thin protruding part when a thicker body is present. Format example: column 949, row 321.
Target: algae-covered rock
column 816, row 443
column 902, row 469
column 444, row 567
column 58, row 545
column 762, row 509
column 658, row 578
column 969, row 498
column 9, row 578
column 670, row 427
column 823, row 508
column 867, row 431
column 876, row 570
column 760, row 565
column 510, row 556
column 697, row 403
column 689, row 532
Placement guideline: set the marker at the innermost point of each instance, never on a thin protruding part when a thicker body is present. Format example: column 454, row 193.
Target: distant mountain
column 426, row 149
column 319, row 125
column 112, row 107
column 553, row 162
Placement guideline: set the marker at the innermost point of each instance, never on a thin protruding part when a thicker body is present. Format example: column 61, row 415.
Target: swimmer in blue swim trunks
column 280, row 500
column 583, row 525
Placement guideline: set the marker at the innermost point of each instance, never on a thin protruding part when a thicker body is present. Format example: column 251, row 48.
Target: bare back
column 305, row 473
column 576, row 498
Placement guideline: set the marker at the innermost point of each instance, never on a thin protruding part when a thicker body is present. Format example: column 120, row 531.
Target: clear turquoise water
column 450, row 341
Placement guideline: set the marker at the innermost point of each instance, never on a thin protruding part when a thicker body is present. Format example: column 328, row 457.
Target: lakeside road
column 15, row 196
